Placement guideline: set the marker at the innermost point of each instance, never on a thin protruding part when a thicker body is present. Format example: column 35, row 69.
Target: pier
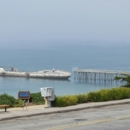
column 94, row 75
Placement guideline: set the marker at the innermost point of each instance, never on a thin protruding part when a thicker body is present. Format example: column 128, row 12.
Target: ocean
column 62, row 57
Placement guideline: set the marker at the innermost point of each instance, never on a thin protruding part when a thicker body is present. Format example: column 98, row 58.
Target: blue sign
column 23, row 94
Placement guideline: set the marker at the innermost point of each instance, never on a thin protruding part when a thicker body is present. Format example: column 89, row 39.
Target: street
column 105, row 118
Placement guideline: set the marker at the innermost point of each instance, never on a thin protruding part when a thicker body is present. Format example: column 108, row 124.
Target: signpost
column 25, row 96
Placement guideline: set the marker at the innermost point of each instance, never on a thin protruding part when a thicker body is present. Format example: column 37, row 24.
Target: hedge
column 98, row 96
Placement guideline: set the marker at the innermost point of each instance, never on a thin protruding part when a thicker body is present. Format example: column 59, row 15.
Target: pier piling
column 89, row 75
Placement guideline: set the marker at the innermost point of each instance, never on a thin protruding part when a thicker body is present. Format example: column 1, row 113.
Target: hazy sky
column 37, row 23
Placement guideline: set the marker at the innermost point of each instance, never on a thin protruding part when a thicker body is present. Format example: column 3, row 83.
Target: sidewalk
column 40, row 110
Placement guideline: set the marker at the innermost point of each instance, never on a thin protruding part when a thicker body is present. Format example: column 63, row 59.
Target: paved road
column 106, row 118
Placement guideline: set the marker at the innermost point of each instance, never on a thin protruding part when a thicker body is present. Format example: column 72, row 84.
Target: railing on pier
column 94, row 75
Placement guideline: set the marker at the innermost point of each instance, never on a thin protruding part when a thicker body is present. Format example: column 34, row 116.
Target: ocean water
column 63, row 57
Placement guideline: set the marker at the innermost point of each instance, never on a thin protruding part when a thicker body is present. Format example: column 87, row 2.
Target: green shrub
column 81, row 98
column 123, row 93
column 109, row 94
column 94, row 96
column 36, row 98
column 7, row 99
column 98, row 96
column 63, row 101
column 18, row 103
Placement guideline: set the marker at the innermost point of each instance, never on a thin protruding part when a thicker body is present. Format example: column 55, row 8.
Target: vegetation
column 18, row 103
column 68, row 100
column 7, row 99
column 81, row 98
column 62, row 101
column 109, row 94
column 36, row 98
column 125, row 78
column 99, row 96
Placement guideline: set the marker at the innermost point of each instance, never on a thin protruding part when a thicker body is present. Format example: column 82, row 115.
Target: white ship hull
column 49, row 74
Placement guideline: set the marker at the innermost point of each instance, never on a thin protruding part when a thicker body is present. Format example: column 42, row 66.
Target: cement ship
column 48, row 74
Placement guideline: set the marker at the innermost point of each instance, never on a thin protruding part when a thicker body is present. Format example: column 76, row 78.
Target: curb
column 68, row 110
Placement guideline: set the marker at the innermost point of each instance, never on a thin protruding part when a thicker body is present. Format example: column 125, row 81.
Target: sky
column 39, row 23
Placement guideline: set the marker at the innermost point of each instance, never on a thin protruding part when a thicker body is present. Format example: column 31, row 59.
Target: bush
column 94, row 97
column 98, row 96
column 36, row 98
column 7, row 99
column 18, row 103
column 81, row 98
column 109, row 94
column 63, row 101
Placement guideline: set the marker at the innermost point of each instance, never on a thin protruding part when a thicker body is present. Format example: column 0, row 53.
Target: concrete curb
column 103, row 104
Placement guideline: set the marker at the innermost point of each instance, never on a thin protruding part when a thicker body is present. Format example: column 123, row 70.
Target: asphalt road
column 106, row 118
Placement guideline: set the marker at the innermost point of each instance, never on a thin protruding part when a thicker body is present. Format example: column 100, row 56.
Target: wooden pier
column 94, row 75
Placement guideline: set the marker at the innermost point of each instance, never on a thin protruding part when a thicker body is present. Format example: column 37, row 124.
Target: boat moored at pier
column 48, row 74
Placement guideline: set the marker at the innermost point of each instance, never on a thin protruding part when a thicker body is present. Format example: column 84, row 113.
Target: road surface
column 105, row 118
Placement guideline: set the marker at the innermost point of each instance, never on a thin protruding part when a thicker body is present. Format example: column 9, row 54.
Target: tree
column 125, row 78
